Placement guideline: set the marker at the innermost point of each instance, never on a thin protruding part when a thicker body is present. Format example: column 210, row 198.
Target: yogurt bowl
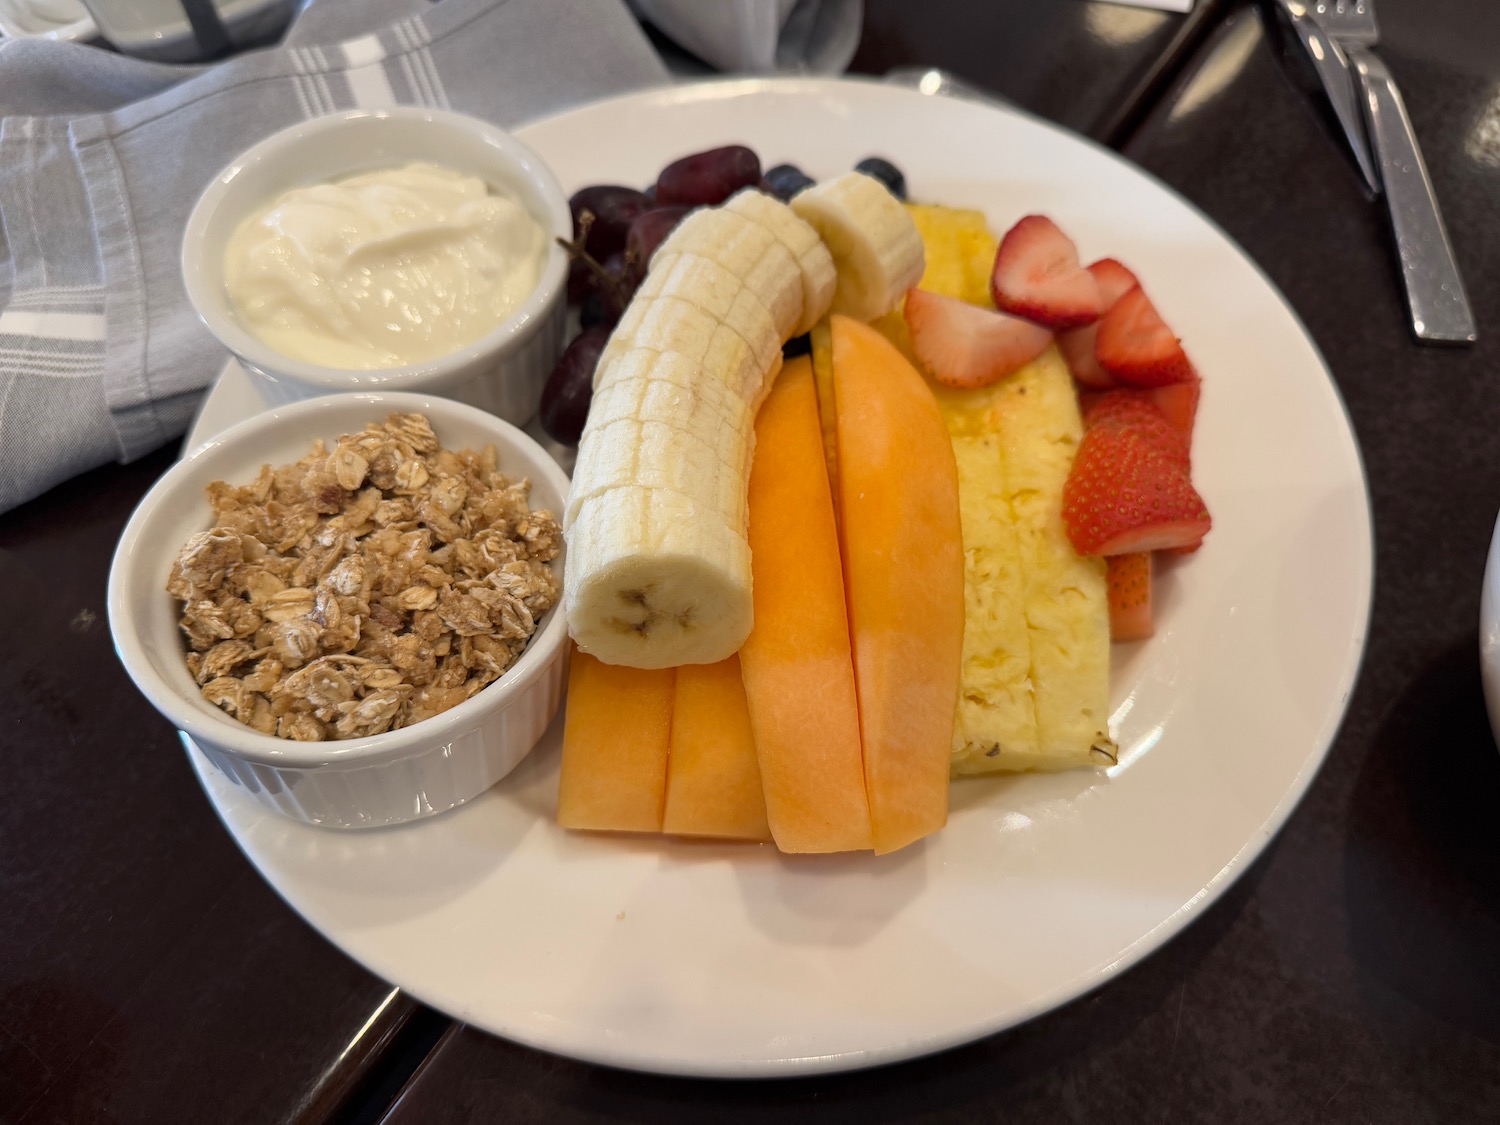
column 502, row 371
column 386, row 778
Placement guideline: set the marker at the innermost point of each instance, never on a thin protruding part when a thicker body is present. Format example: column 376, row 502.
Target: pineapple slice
column 1035, row 685
column 1067, row 599
column 960, row 252
column 1034, row 693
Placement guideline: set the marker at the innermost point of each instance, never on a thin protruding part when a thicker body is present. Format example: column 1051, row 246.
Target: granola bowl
column 402, row 644
column 503, row 371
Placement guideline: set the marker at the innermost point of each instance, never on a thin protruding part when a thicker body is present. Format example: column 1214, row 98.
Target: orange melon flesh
column 615, row 743
column 713, row 779
column 903, row 576
column 797, row 666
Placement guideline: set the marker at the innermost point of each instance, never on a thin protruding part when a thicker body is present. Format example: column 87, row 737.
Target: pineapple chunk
column 1034, row 691
column 960, row 252
column 1067, row 601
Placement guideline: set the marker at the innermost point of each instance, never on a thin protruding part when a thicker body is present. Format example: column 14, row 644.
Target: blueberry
column 797, row 345
column 886, row 172
column 787, row 180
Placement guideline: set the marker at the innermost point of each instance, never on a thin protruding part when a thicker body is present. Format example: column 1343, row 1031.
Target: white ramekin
column 502, row 372
column 388, row 778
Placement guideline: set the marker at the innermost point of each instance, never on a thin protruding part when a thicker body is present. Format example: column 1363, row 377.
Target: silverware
column 1434, row 291
column 1338, row 83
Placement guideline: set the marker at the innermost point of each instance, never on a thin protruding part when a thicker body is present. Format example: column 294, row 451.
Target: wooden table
column 147, row 974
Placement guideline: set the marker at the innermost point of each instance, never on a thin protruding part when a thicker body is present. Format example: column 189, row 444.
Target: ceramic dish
column 737, row 961
column 502, row 371
column 382, row 779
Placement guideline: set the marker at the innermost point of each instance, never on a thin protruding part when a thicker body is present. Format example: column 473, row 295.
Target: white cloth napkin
column 762, row 36
column 102, row 157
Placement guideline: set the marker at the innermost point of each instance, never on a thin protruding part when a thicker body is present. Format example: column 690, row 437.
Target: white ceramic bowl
column 502, row 372
column 388, row 778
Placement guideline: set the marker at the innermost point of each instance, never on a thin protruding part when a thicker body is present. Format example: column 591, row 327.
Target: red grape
column 570, row 387
column 650, row 231
column 614, row 208
column 706, row 178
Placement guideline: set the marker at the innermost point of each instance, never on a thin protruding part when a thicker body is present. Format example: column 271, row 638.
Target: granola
column 364, row 589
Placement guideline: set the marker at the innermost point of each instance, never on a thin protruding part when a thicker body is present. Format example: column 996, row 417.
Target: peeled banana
column 658, row 564
column 874, row 243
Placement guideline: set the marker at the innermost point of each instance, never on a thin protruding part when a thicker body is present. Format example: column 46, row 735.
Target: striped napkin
column 102, row 158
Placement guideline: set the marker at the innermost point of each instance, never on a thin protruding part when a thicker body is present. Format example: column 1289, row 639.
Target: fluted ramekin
column 400, row 775
column 503, row 371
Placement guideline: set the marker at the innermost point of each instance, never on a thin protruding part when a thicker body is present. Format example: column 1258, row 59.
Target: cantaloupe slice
column 822, row 365
column 904, row 577
column 713, row 779
column 799, row 677
column 615, row 741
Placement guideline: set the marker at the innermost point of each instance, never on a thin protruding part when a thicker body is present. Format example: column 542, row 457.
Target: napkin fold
column 762, row 36
column 102, row 158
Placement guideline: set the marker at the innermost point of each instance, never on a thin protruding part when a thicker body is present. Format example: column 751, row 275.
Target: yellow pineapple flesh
column 1034, row 693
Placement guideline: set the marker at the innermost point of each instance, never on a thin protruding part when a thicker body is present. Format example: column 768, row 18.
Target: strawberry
column 1136, row 346
column 1037, row 276
column 1077, row 344
column 1129, row 578
column 1136, row 410
column 1178, row 403
column 962, row 345
column 1125, row 495
column 1115, row 280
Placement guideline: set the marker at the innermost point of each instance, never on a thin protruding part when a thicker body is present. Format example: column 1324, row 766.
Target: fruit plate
column 707, row 959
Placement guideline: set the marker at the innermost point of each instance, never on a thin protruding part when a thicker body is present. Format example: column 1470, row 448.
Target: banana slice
column 874, row 242
column 667, row 456
column 655, row 579
column 766, row 276
column 669, row 431
column 692, row 277
column 819, row 277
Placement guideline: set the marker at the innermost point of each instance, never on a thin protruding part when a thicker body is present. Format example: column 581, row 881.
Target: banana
column 819, row 277
column 658, row 564
column 656, row 578
column 669, row 430
column 874, row 242
column 762, row 272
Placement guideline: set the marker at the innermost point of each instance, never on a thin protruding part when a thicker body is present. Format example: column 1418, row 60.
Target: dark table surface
column 148, row 975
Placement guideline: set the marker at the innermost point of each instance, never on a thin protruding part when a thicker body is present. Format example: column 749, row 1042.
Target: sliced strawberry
column 1136, row 346
column 1124, row 495
column 1077, row 344
column 1037, row 276
column 1129, row 578
column 963, row 345
column 1178, row 402
column 1136, row 409
column 1077, row 348
column 1115, row 280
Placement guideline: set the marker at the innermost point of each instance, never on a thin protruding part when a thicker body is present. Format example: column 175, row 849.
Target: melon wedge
column 903, row 576
column 615, row 744
column 797, row 667
column 713, row 779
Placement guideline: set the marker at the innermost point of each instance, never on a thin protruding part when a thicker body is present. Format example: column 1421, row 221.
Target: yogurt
column 383, row 269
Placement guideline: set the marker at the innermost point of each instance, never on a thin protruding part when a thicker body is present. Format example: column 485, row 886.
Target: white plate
column 722, row 960
column 1489, row 633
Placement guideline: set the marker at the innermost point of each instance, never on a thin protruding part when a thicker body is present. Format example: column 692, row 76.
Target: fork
column 1434, row 291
